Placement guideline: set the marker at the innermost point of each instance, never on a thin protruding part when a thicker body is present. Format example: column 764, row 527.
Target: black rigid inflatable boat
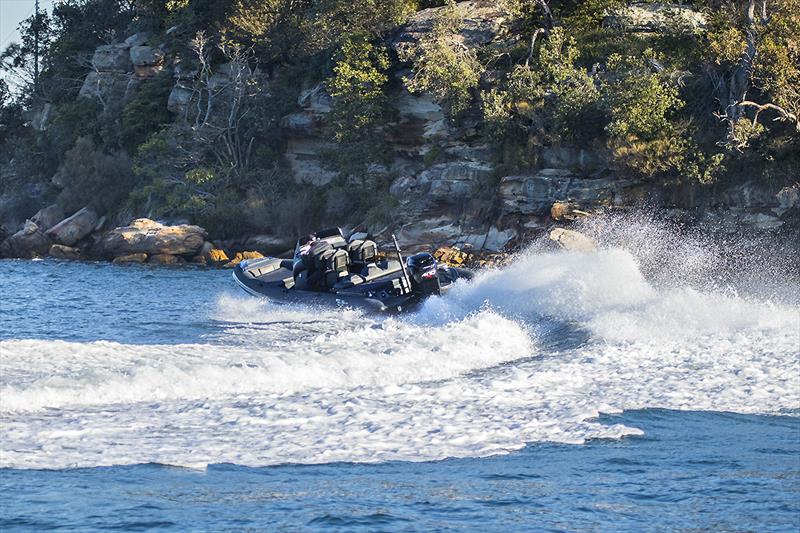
column 328, row 269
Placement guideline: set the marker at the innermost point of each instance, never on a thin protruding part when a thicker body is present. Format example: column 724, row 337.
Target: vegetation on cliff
column 707, row 91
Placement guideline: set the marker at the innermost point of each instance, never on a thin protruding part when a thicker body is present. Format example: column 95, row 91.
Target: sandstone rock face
column 657, row 17
column 27, row 243
column 130, row 258
column 146, row 56
column 72, row 229
column 150, row 237
column 106, row 86
column 451, row 182
column 535, row 194
column 59, row 251
column 47, row 217
column 483, row 21
column 112, row 58
column 164, row 259
column 577, row 160
column 305, row 159
column 147, row 60
column 425, row 231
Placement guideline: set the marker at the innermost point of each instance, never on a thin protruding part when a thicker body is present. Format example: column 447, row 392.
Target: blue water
column 138, row 398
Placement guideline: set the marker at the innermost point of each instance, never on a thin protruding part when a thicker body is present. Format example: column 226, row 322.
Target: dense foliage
column 679, row 99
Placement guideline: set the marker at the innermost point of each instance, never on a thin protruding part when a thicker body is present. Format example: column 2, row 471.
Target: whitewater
column 532, row 352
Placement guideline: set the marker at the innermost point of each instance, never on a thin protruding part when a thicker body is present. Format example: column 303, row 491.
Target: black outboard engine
column 423, row 271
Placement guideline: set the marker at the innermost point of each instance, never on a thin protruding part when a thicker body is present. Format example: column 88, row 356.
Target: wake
column 532, row 352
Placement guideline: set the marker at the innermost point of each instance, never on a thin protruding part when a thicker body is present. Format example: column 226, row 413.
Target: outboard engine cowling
column 423, row 270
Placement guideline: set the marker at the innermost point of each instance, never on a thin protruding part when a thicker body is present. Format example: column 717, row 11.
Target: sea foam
column 531, row 352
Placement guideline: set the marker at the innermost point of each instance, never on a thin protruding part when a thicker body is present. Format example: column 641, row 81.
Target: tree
column 755, row 45
column 222, row 105
column 639, row 100
column 357, row 88
column 23, row 61
column 443, row 65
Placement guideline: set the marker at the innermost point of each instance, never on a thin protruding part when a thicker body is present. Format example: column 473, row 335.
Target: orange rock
column 241, row 256
column 217, row 256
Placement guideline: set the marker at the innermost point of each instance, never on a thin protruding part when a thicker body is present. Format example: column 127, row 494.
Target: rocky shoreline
column 84, row 236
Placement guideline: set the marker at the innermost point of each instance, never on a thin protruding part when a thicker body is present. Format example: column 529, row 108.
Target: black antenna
column 406, row 277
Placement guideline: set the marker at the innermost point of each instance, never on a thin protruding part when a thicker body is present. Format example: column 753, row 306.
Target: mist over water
column 533, row 352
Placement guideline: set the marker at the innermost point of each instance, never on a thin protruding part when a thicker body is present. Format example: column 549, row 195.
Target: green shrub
column 357, row 88
column 146, row 112
column 90, row 176
column 443, row 66
column 639, row 101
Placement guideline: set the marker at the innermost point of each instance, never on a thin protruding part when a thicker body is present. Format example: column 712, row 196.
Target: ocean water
column 653, row 385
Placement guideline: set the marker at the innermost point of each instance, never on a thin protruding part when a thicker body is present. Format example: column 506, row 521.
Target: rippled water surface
column 635, row 388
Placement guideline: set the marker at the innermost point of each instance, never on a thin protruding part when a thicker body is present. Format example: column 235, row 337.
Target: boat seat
column 317, row 249
column 362, row 251
column 337, row 262
column 322, row 261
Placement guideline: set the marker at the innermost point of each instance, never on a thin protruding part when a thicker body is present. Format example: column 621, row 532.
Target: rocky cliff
column 447, row 182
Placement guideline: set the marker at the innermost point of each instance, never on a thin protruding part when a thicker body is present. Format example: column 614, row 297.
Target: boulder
column 573, row 241
column 213, row 255
column 48, row 217
column 497, row 239
column 59, row 251
column 72, row 229
column 567, row 211
column 179, row 99
column 27, row 243
column 452, row 256
column 147, row 60
column 130, row 258
column 112, row 58
column 241, row 256
column 359, row 236
column 164, row 259
column 150, row 237
column 138, row 39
